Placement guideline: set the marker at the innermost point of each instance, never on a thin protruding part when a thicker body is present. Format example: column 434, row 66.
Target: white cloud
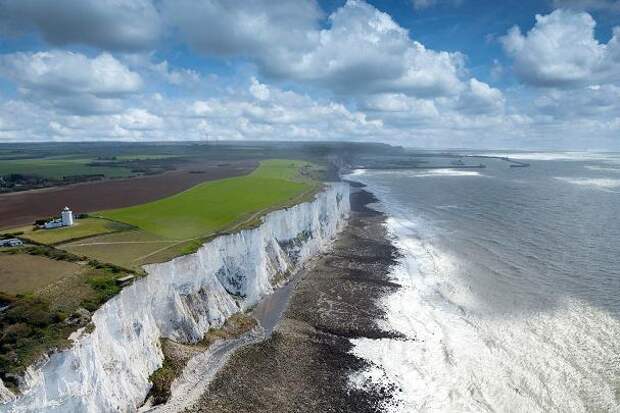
column 361, row 77
column 286, row 115
column 481, row 98
column 399, row 102
column 362, row 51
column 365, row 51
column 139, row 119
column 177, row 77
column 593, row 102
column 71, row 80
column 276, row 115
column 561, row 51
column 67, row 73
column 258, row 90
column 259, row 29
column 127, row 25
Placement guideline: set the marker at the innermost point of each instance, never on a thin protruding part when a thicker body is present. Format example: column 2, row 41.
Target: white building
column 66, row 217
column 11, row 242
column 65, row 220
column 55, row 223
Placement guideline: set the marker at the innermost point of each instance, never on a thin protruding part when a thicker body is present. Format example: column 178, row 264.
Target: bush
column 162, row 379
column 14, row 332
column 33, row 312
column 105, row 287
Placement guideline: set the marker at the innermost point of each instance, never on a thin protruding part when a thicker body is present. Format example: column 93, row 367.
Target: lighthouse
column 66, row 217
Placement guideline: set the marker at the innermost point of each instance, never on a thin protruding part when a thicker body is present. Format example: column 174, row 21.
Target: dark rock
column 306, row 364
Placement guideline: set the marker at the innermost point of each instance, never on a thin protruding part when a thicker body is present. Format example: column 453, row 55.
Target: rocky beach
column 305, row 365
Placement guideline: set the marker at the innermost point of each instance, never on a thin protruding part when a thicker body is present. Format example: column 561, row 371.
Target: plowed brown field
column 25, row 207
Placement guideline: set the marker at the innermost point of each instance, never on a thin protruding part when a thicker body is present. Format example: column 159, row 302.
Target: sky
column 507, row 74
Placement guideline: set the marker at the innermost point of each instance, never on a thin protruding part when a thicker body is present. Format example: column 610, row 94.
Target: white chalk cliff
column 108, row 369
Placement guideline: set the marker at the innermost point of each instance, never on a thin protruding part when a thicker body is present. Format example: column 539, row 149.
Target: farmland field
column 124, row 249
column 179, row 224
column 21, row 273
column 46, row 291
column 185, row 194
column 58, row 168
column 213, row 206
column 25, row 207
column 82, row 228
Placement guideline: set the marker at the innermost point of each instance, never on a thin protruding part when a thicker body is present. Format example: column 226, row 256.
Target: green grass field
column 22, row 273
column 57, row 168
column 122, row 248
column 82, row 228
column 216, row 205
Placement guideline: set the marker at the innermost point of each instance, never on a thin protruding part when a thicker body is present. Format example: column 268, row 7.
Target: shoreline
column 201, row 368
column 306, row 364
column 225, row 277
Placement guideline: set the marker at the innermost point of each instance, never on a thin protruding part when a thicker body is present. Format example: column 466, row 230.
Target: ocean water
column 510, row 298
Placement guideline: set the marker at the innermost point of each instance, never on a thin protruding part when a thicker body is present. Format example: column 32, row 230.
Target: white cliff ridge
column 108, row 369
column 5, row 394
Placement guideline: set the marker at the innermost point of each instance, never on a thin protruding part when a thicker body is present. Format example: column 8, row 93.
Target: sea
column 510, row 298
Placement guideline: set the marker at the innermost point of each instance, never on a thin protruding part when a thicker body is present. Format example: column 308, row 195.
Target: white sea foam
column 596, row 183
column 459, row 358
column 424, row 173
column 559, row 156
column 445, row 172
column 603, row 169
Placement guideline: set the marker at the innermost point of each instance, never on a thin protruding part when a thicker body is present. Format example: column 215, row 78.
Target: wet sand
column 305, row 364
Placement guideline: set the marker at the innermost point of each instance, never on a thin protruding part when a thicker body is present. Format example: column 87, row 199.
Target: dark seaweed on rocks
column 292, row 247
column 306, row 364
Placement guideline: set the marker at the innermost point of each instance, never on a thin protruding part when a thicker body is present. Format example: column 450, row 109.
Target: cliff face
column 108, row 369
column 5, row 394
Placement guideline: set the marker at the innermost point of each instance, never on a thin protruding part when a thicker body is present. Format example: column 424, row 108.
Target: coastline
column 180, row 300
column 307, row 363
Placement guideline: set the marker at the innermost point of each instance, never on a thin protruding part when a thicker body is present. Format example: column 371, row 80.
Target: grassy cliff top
column 215, row 205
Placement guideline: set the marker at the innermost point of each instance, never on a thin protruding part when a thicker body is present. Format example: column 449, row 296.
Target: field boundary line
column 118, row 242
column 258, row 214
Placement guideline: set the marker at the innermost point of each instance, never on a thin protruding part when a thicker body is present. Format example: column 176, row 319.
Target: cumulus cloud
column 258, row 29
column 561, row 51
column 357, row 75
column 598, row 102
column 71, row 80
column 365, row 51
column 126, row 25
column 261, row 111
column 177, row 77
column 256, row 112
column 361, row 51
column 481, row 98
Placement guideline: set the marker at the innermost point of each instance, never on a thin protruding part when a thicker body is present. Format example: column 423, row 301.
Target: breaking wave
column 596, row 183
column 559, row 156
column 602, row 168
column 445, row 172
column 473, row 342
